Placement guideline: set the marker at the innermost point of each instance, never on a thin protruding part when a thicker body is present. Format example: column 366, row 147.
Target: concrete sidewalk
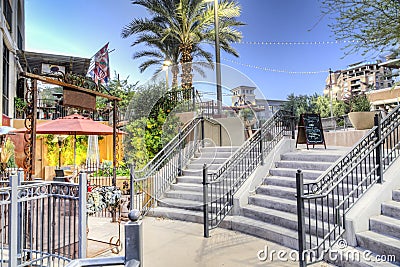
column 176, row 243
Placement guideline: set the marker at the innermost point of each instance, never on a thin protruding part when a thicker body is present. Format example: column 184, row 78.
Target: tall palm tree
column 189, row 23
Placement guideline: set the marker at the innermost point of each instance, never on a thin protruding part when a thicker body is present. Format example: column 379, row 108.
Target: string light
column 276, row 70
column 296, row 43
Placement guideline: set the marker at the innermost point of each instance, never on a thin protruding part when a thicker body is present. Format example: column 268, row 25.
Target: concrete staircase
column 184, row 200
column 271, row 211
column 383, row 238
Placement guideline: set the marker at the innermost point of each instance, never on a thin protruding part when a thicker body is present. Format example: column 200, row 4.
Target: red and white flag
column 101, row 69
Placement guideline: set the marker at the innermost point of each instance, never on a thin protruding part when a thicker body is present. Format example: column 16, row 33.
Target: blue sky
column 81, row 27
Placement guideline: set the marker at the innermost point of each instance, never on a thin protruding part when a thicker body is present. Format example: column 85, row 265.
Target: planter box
column 362, row 120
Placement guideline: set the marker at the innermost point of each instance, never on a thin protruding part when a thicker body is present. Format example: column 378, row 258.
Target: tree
column 370, row 25
column 148, row 134
column 118, row 88
column 187, row 23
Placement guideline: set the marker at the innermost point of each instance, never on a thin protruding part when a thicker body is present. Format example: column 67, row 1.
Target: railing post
column 131, row 186
column 194, row 98
column 378, row 153
column 261, row 147
column 293, row 124
column 205, row 201
column 20, row 178
column 202, row 131
column 82, row 225
column 134, row 239
column 300, row 218
column 180, row 157
column 14, row 255
column 220, row 134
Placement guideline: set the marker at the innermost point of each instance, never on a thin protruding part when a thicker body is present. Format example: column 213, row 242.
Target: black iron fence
column 220, row 186
column 149, row 183
column 323, row 204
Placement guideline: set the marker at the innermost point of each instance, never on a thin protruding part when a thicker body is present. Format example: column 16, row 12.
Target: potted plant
column 360, row 114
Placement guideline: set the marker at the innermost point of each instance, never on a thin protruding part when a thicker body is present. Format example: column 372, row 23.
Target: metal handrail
column 220, row 186
column 156, row 176
column 343, row 184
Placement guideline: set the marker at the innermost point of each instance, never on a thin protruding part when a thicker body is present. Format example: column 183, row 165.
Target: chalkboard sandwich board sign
column 310, row 130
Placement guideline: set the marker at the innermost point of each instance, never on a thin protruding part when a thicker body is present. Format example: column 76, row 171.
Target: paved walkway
column 176, row 243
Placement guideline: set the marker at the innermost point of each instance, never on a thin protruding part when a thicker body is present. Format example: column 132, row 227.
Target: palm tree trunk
column 175, row 72
column 186, row 62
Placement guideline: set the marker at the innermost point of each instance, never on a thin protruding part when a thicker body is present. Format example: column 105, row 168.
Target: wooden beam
column 64, row 84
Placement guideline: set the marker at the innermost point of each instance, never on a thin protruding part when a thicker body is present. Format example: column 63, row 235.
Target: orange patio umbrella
column 74, row 124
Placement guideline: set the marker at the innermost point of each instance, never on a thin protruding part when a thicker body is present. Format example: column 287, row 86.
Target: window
column 6, row 71
column 7, row 11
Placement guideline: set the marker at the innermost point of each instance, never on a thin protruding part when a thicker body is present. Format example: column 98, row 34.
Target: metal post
column 134, row 239
column 293, row 125
column 301, row 229
column 261, row 146
column 217, row 58
column 82, row 227
column 180, row 157
column 205, row 201
column 132, row 186
column 202, row 131
column 378, row 150
column 194, row 98
column 114, row 180
column 20, row 178
column 220, row 134
column 14, row 256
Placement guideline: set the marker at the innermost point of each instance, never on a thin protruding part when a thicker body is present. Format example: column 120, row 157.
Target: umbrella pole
column 74, row 151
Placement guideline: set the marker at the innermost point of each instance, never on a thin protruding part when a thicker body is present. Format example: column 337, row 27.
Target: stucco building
column 12, row 39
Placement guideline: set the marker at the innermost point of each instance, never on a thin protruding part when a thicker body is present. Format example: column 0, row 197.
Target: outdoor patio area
column 176, row 243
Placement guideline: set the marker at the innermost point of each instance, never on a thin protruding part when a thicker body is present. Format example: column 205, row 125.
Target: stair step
column 379, row 244
column 230, row 149
column 271, row 232
column 191, row 187
column 391, row 209
column 316, row 157
column 207, row 161
column 212, row 154
column 177, row 214
column 287, row 172
column 283, row 181
column 281, row 218
column 180, row 204
column 385, row 225
column 303, row 165
column 184, row 195
column 288, row 205
column 277, row 191
column 396, row 195
column 195, row 166
column 186, row 179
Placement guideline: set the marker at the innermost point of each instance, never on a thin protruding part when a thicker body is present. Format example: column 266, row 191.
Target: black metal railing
column 149, row 183
column 220, row 186
column 39, row 223
column 323, row 204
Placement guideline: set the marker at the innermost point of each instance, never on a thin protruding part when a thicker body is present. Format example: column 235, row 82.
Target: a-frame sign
column 310, row 130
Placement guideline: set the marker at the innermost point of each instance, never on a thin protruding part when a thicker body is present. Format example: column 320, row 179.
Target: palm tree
column 189, row 23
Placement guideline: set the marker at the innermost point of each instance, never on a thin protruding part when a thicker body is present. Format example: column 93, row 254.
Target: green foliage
column 67, row 150
column 118, row 88
column 370, row 25
column 176, row 29
column 144, row 99
column 147, row 136
column 360, row 103
column 315, row 104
